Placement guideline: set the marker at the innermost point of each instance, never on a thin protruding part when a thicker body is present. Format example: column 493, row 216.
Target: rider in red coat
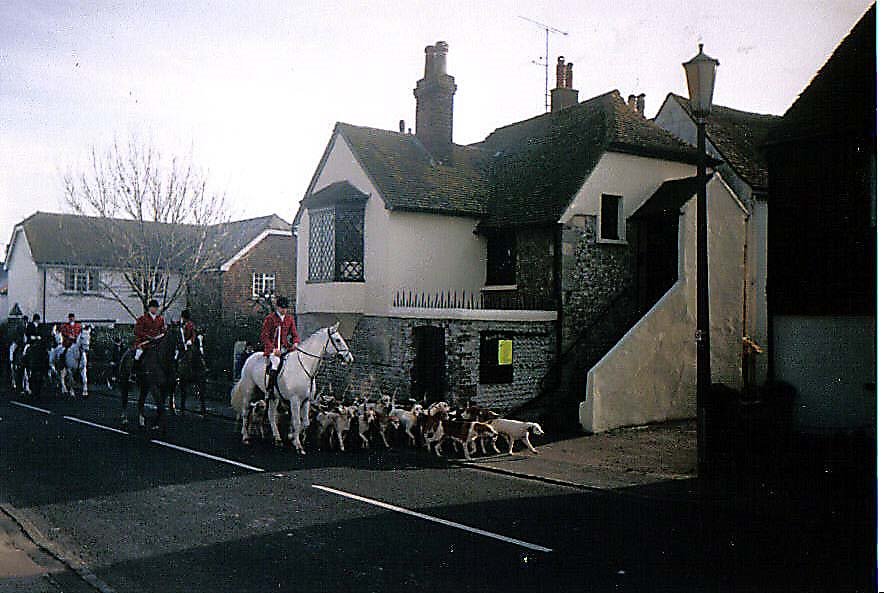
column 278, row 336
column 188, row 329
column 148, row 327
column 70, row 331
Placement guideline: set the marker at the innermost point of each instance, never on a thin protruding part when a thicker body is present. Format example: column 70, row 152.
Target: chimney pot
column 631, row 102
column 563, row 96
column 401, row 126
column 640, row 104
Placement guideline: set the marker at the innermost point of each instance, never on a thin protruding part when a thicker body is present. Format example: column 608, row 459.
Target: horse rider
column 70, row 331
column 278, row 336
column 148, row 328
column 32, row 333
column 188, row 329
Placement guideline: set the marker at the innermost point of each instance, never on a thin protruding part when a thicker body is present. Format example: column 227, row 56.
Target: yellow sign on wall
column 504, row 352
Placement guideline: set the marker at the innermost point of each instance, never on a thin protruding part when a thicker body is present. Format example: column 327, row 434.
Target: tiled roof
column 68, row 239
column 841, row 98
column 403, row 171
column 539, row 164
column 523, row 173
column 739, row 136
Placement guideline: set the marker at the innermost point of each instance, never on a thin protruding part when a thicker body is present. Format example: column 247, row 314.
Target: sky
column 250, row 91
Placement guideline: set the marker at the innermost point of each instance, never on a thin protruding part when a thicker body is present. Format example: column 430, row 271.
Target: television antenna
column 544, row 60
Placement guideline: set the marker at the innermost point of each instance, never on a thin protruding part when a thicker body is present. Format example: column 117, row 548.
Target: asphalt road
column 149, row 517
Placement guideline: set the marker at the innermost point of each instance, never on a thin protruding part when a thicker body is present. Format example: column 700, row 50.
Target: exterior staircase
column 564, row 386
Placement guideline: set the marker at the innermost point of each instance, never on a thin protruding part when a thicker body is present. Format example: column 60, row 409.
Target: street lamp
column 700, row 71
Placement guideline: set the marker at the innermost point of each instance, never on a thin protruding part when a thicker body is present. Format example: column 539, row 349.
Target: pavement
column 193, row 510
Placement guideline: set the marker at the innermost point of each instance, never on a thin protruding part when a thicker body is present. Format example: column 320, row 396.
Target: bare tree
column 156, row 218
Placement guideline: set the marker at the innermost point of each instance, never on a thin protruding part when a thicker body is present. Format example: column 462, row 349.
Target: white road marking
column 35, row 408
column 206, row 455
column 92, row 424
column 445, row 522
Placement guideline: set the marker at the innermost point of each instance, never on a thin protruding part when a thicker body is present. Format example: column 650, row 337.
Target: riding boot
column 272, row 375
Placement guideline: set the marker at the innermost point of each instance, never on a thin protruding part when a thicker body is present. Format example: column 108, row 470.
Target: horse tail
column 239, row 394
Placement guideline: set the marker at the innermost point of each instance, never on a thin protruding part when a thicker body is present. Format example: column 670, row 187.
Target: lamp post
column 700, row 71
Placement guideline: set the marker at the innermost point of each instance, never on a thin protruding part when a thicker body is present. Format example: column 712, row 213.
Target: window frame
column 490, row 371
column 621, row 220
column 345, row 246
column 75, row 278
column 264, row 277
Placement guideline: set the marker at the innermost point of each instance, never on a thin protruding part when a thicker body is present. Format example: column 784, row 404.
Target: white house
column 504, row 271
column 62, row 263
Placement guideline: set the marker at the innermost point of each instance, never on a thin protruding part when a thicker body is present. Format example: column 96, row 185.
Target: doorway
column 428, row 376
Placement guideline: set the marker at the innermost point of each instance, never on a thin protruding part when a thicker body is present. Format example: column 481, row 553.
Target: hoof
column 124, row 421
column 278, row 443
column 246, row 442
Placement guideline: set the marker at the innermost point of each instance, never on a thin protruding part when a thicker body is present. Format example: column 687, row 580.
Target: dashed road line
column 207, row 456
column 94, row 425
column 35, row 408
column 432, row 519
column 154, row 441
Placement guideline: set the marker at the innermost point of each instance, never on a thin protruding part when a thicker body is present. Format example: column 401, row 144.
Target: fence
column 498, row 300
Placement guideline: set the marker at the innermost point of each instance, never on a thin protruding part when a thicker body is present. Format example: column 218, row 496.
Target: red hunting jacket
column 278, row 333
column 147, row 327
column 69, row 333
column 189, row 332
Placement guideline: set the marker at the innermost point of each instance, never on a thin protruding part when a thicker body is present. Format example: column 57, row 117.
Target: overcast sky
column 253, row 89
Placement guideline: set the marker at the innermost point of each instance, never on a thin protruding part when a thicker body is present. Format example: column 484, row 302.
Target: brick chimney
column 563, row 96
column 435, row 103
column 640, row 104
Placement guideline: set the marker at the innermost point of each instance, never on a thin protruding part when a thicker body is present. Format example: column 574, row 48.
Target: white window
column 80, row 280
column 263, row 284
column 611, row 223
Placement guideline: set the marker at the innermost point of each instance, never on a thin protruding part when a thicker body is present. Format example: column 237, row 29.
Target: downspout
column 44, row 294
column 558, row 236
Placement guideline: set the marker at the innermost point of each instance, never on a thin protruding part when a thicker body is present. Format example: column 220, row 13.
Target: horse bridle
column 338, row 351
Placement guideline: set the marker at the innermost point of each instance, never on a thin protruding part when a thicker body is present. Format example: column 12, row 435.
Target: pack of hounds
column 336, row 421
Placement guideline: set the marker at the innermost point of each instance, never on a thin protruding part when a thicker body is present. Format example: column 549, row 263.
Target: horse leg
column 142, row 396
column 124, row 400
column 84, row 379
column 273, row 416
column 201, row 393
column 296, row 429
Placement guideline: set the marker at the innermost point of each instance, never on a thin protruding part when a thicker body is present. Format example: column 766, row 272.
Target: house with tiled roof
column 823, row 233
column 547, row 265
column 59, row 263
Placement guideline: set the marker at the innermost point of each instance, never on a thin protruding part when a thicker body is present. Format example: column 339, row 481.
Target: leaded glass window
column 322, row 245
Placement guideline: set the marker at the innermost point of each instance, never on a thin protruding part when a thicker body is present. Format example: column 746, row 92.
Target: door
column 428, row 377
column 657, row 257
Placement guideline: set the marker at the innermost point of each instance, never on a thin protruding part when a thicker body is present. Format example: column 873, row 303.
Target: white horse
column 296, row 382
column 74, row 360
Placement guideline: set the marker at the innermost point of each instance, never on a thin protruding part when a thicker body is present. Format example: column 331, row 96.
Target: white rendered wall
column 633, row 177
column 650, row 374
column 831, row 363
column 403, row 250
column 25, row 279
column 101, row 305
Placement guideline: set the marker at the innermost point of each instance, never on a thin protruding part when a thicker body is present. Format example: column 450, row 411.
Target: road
column 194, row 510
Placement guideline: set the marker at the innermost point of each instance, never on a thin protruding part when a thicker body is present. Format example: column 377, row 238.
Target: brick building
column 257, row 259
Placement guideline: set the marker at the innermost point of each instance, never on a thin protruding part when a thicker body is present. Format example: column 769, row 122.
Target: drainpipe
column 44, row 294
column 557, row 286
